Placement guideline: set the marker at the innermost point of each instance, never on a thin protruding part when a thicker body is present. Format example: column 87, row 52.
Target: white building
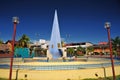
column 82, row 44
column 41, row 43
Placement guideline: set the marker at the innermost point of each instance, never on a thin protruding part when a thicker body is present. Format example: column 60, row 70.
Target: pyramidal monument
column 54, row 50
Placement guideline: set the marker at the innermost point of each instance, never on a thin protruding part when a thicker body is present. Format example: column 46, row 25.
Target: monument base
column 61, row 51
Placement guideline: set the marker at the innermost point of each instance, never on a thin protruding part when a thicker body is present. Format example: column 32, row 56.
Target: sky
column 82, row 20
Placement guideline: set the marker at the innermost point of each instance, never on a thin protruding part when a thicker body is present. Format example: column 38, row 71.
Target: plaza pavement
column 59, row 74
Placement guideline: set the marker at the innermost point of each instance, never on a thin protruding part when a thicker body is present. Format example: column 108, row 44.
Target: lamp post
column 15, row 22
column 37, row 38
column 107, row 26
column 67, row 37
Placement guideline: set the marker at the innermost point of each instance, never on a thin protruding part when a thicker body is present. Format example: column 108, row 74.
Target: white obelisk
column 55, row 42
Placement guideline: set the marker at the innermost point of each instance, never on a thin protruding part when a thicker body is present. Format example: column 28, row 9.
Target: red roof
column 103, row 43
column 10, row 41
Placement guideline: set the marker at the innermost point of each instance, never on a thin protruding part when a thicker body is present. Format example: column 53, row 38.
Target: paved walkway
column 60, row 74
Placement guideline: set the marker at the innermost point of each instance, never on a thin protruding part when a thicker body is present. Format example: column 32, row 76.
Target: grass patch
column 3, row 79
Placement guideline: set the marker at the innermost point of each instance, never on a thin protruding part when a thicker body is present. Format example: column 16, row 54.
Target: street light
column 37, row 38
column 107, row 26
column 15, row 22
column 67, row 37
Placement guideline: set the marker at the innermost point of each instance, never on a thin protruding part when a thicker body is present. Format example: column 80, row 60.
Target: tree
column 80, row 50
column 115, row 43
column 90, row 49
column 24, row 41
column 40, row 52
column 1, row 41
column 70, row 51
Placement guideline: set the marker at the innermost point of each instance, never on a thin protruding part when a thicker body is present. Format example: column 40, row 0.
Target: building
column 4, row 48
column 81, row 44
column 101, row 48
column 98, row 49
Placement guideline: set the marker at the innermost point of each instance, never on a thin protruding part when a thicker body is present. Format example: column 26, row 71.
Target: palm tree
column 70, row 51
column 116, row 44
column 90, row 49
column 80, row 50
column 1, row 41
column 24, row 41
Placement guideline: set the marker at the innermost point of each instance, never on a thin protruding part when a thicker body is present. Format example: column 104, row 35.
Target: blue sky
column 83, row 20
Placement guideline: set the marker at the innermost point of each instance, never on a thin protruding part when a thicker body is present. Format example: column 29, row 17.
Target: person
column 47, row 59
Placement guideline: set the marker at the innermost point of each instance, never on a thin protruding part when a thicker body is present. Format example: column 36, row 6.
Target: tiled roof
column 4, row 46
